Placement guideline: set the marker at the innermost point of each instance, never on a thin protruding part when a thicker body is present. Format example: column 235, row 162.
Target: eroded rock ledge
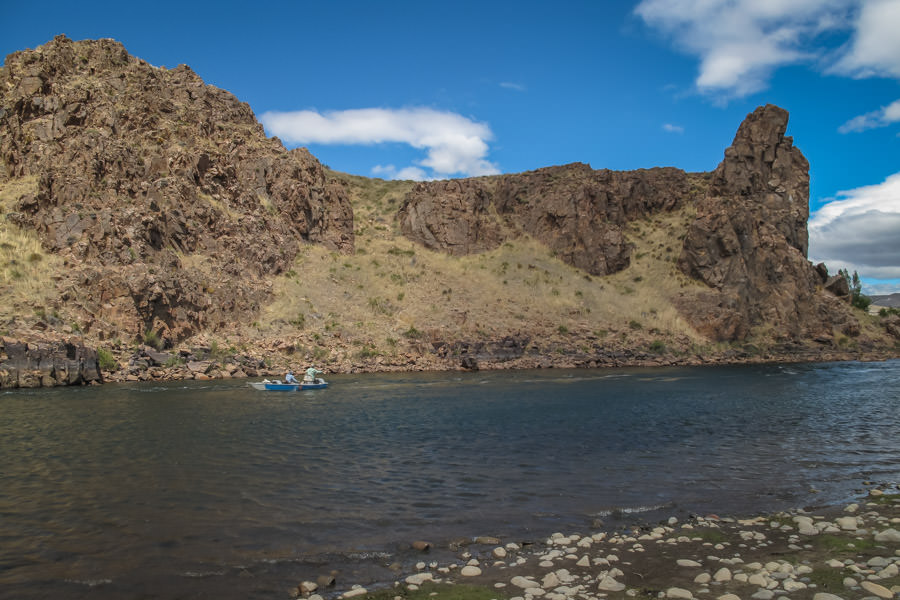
column 47, row 364
column 579, row 213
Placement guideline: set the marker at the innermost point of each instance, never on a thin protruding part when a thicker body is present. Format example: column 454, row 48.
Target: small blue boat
column 278, row 386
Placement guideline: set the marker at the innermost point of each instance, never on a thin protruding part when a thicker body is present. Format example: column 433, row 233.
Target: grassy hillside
column 387, row 305
column 27, row 270
column 393, row 297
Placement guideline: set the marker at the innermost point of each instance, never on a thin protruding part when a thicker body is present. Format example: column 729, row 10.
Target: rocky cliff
column 163, row 194
column 579, row 213
column 749, row 243
column 47, row 364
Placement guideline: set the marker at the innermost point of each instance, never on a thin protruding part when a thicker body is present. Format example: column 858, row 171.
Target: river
column 212, row 489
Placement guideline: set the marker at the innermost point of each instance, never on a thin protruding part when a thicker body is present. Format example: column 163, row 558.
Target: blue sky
column 427, row 89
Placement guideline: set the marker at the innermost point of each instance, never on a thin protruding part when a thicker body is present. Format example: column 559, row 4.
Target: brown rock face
column 749, row 242
column 164, row 193
column 578, row 212
column 46, row 364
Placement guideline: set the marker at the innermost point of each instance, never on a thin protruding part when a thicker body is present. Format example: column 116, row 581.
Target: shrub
column 174, row 361
column 152, row 339
column 657, row 347
column 635, row 324
column 106, row 360
column 367, row 351
column 412, row 333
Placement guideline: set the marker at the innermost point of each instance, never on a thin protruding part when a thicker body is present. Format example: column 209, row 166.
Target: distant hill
column 142, row 207
column 888, row 301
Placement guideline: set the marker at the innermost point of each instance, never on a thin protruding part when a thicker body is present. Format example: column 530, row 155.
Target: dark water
column 216, row 490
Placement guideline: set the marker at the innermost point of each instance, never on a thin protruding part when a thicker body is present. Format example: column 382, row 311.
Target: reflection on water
column 217, row 489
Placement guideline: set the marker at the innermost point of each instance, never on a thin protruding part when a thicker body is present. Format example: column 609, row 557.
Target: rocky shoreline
column 149, row 365
column 50, row 363
column 836, row 553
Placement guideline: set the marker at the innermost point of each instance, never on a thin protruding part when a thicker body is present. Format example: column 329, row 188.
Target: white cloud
column 513, row 86
column 882, row 117
column 391, row 172
column 672, row 128
column 881, row 289
column 453, row 144
column 741, row 42
column 874, row 49
column 860, row 232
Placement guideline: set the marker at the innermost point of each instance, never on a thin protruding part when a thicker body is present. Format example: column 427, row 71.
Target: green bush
column 152, row 339
column 106, row 360
column 412, row 333
column 174, row 361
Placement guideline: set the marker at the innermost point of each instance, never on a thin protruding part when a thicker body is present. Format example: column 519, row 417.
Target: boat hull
column 270, row 386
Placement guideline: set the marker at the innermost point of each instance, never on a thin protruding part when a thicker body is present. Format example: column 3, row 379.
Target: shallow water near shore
column 212, row 489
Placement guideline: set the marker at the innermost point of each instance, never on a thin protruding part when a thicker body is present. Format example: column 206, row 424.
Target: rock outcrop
column 163, row 193
column 579, row 213
column 749, row 243
column 47, row 364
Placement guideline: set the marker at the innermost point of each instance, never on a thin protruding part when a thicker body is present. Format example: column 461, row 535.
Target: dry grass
column 26, row 269
column 228, row 212
column 393, row 293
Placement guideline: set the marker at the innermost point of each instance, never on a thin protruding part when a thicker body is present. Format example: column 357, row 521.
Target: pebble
column 826, row 596
column 360, row 591
column 793, row 586
column 550, row 581
column 676, row 593
column 524, row 582
column 487, row 540
column 763, row 595
column 729, row 597
column 888, row 535
column 307, row 587
column 722, row 575
column 878, row 590
column 685, row 562
column 608, row 584
column 758, row 580
column 499, row 552
column 470, row 571
column 419, row 578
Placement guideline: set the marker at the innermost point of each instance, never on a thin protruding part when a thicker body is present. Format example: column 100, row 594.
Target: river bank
column 848, row 552
column 209, row 363
column 49, row 361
